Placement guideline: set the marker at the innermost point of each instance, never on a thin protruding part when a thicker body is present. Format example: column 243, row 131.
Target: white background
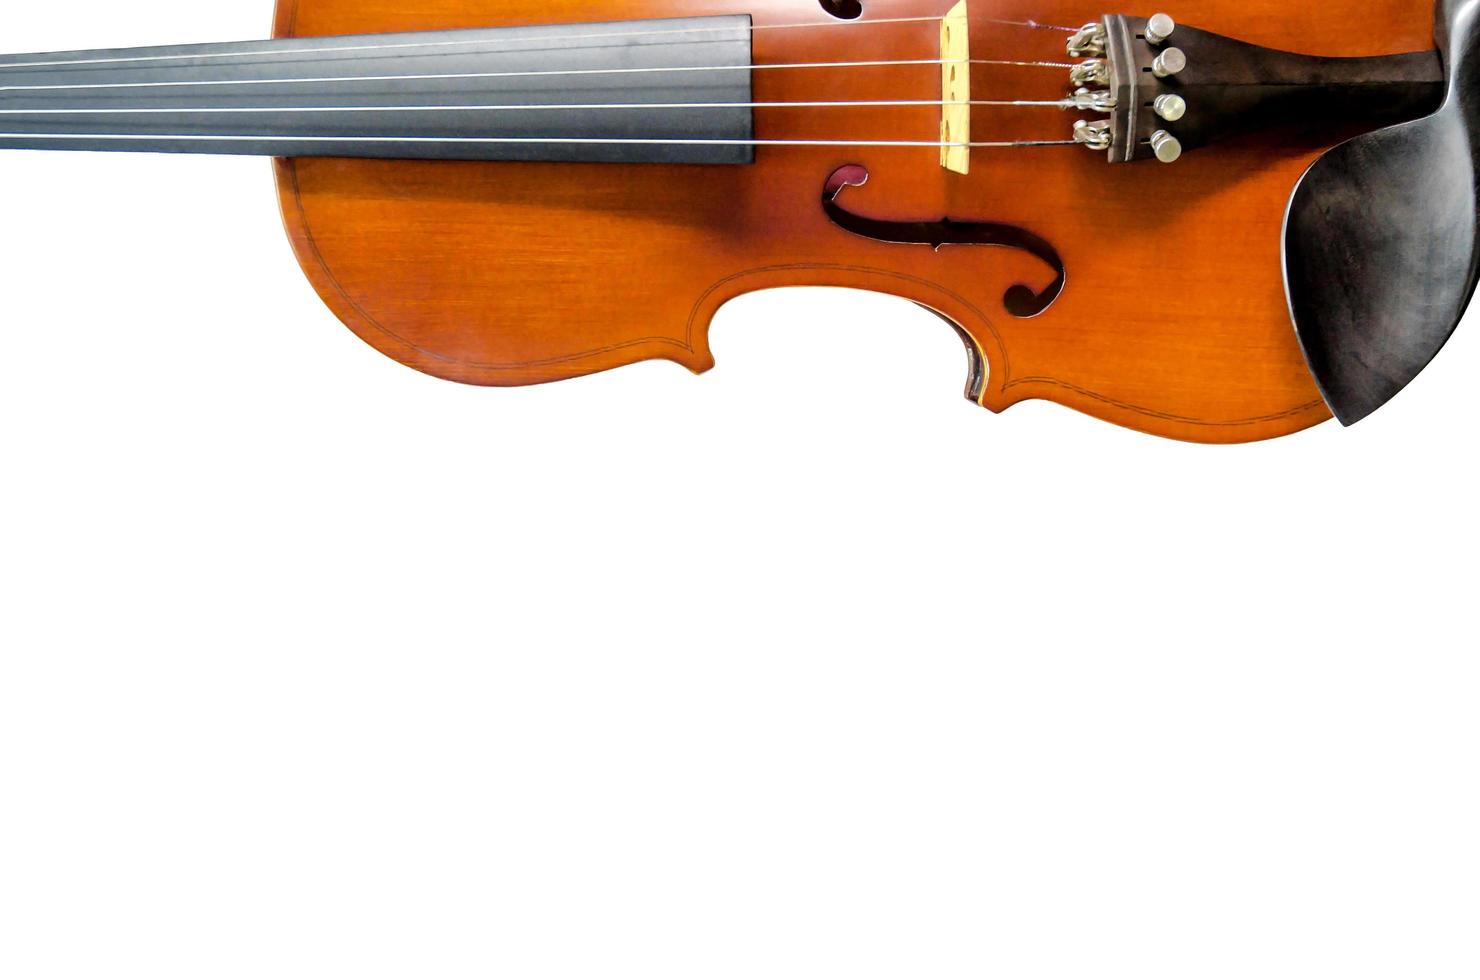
column 315, row 667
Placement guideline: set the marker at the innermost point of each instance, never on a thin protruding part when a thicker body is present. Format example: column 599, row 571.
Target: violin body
column 498, row 193
column 1174, row 320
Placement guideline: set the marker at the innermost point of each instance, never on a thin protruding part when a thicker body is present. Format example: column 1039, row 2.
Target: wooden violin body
column 1147, row 295
column 1174, row 320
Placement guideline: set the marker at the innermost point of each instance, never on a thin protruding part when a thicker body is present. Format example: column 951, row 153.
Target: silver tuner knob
column 1095, row 71
column 1170, row 107
column 1088, row 42
column 1159, row 28
column 1094, row 135
column 1168, row 148
column 1170, row 62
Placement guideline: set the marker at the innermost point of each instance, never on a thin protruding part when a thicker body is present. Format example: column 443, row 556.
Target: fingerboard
column 654, row 91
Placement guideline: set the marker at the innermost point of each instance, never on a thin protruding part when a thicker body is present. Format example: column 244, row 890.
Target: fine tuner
column 497, row 193
column 1099, row 86
column 1166, row 90
column 1099, row 72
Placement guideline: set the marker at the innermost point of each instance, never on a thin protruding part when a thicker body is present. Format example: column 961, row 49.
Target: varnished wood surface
column 1174, row 320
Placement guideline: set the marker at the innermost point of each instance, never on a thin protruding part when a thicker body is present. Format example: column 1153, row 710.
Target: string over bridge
column 955, row 84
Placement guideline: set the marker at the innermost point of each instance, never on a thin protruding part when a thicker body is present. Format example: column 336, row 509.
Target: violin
column 1224, row 221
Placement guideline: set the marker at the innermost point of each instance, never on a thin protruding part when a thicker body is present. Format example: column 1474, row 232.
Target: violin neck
column 539, row 93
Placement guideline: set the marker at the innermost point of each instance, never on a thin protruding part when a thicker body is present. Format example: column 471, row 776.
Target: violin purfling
column 1219, row 221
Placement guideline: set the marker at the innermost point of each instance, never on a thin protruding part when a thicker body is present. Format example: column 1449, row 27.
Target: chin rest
column 1381, row 236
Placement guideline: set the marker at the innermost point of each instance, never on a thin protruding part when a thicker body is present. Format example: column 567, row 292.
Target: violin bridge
column 955, row 86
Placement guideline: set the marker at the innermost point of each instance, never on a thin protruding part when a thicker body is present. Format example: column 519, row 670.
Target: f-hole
column 1020, row 301
column 843, row 9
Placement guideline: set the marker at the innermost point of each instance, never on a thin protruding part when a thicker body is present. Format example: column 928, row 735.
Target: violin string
column 336, row 79
column 464, row 42
column 531, row 140
column 198, row 137
column 535, row 107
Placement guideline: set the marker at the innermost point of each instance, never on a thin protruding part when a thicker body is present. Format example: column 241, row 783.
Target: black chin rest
column 1381, row 239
